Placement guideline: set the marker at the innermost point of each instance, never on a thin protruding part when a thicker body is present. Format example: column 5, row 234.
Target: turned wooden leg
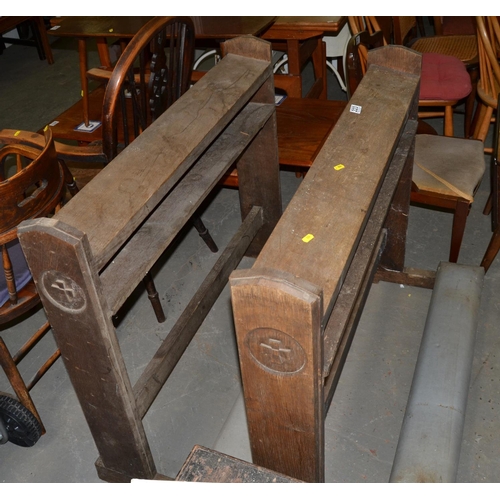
column 204, row 234
column 17, row 382
column 153, row 297
column 448, row 121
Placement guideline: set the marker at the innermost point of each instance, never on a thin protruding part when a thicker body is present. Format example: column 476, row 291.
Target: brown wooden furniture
column 296, row 310
column 107, row 238
column 209, row 466
column 454, row 25
column 301, row 38
column 488, row 36
column 40, row 41
column 494, row 244
column 102, row 28
column 303, row 127
column 36, row 189
column 447, row 171
column 444, row 82
column 446, row 174
column 153, row 71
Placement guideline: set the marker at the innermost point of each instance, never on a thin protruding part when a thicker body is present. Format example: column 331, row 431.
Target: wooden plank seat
column 88, row 259
column 297, row 308
column 303, row 126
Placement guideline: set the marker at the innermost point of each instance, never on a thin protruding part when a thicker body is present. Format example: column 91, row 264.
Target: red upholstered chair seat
column 443, row 78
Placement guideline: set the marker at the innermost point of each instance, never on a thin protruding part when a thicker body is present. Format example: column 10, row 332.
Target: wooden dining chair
column 462, row 46
column 447, row 170
column 152, row 72
column 444, row 79
column 488, row 36
column 35, row 189
column 454, row 25
column 494, row 244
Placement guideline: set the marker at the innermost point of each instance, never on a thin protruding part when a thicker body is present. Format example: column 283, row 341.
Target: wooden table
column 301, row 38
column 103, row 27
column 41, row 42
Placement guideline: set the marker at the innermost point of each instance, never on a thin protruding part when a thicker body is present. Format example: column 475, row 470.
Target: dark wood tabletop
column 304, row 26
column 127, row 27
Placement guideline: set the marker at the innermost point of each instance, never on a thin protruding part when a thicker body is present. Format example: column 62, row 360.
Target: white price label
column 355, row 109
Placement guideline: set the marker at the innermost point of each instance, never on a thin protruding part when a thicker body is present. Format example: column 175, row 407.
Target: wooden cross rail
column 296, row 310
column 88, row 258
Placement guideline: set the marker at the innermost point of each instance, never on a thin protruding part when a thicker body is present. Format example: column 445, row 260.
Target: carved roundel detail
column 276, row 351
column 63, row 292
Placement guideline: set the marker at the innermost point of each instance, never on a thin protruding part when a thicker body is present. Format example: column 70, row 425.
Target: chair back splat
column 488, row 87
column 151, row 74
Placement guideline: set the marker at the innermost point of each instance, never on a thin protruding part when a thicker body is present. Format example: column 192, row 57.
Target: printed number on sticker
column 355, row 109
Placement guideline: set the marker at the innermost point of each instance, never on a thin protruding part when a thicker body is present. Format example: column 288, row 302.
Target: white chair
column 336, row 47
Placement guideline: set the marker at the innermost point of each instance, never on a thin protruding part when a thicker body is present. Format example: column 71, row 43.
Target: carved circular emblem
column 276, row 351
column 63, row 292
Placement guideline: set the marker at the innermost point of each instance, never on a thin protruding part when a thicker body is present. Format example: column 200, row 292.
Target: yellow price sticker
column 17, row 133
column 111, row 30
column 46, row 128
column 81, row 93
column 307, row 238
column 339, row 166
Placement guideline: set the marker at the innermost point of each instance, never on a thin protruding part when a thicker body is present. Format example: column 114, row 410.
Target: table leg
column 319, row 65
column 82, row 52
column 44, row 39
column 103, row 51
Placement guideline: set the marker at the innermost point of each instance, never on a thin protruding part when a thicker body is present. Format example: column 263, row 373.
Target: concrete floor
column 201, row 402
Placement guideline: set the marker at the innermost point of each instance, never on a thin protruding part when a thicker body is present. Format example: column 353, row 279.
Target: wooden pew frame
column 89, row 258
column 296, row 312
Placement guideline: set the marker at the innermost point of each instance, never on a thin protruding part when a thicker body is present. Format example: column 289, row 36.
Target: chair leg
column 457, row 233
column 17, row 382
column 491, row 251
column 489, row 204
column 483, row 123
column 448, row 121
column 69, row 179
column 205, row 235
column 153, row 297
column 469, row 104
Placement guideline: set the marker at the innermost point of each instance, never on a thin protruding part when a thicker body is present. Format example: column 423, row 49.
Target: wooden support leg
column 44, row 39
column 319, row 64
column 469, row 103
column 491, row 251
column 82, row 54
column 278, row 328
column 70, row 290
column 258, row 167
column 457, row 233
column 483, row 124
column 17, row 382
column 153, row 297
column 393, row 258
column 204, row 234
column 448, row 121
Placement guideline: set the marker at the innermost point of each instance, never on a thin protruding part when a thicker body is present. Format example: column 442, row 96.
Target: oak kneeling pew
column 93, row 253
column 297, row 308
